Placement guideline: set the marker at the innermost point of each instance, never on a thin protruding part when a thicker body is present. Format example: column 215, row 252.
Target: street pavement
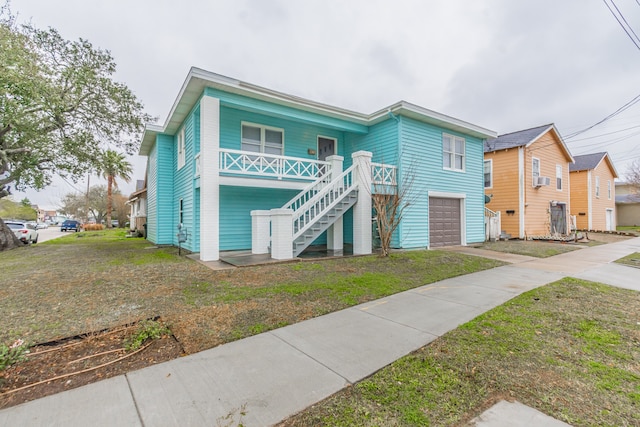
column 279, row 373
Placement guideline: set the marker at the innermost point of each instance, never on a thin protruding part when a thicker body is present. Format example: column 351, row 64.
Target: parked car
column 70, row 225
column 23, row 231
column 41, row 225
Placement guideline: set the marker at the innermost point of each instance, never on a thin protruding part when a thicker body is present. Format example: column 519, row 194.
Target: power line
column 635, row 41
column 625, row 21
column 626, row 106
column 605, row 134
column 609, row 142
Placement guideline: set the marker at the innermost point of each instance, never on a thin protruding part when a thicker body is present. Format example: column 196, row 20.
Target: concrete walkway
column 278, row 373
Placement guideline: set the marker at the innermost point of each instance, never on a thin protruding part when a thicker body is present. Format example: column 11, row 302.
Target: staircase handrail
column 308, row 207
column 490, row 212
column 308, row 192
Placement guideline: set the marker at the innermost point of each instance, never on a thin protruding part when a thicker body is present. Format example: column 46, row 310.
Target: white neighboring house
column 627, row 204
column 138, row 204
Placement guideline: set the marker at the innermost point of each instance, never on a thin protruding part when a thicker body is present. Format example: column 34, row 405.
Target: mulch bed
column 76, row 361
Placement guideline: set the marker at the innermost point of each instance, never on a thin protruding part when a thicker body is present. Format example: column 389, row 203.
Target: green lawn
column 630, row 229
column 534, row 248
column 632, row 260
column 89, row 281
column 569, row 349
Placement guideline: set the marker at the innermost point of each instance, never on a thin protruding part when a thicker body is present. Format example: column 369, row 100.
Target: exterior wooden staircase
column 322, row 223
column 319, row 206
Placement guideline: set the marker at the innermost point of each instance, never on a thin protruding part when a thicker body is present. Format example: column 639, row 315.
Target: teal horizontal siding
column 236, row 204
column 298, row 137
column 382, row 143
column 183, row 186
column 422, row 160
column 164, row 223
column 152, row 195
column 288, row 113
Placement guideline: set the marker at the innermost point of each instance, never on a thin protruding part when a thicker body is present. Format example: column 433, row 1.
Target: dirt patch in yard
column 65, row 364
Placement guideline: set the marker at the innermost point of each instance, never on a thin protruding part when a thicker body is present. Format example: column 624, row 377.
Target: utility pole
column 87, row 199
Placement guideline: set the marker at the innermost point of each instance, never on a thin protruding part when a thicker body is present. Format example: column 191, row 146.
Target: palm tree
column 113, row 165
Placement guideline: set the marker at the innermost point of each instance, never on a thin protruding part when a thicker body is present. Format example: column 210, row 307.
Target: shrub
column 149, row 329
column 12, row 354
column 93, row 227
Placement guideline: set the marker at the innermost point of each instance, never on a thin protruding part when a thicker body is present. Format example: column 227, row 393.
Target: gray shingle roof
column 628, row 198
column 514, row 139
column 586, row 161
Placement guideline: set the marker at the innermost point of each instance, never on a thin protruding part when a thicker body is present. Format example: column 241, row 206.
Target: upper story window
column 558, row 177
column 181, row 148
column 609, row 189
column 488, row 173
column 452, row 152
column 535, row 170
column 597, row 186
column 262, row 139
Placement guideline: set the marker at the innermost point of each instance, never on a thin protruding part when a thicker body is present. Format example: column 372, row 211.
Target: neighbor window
column 535, row 170
column 452, row 152
column 558, row 177
column 609, row 190
column 488, row 173
column 181, row 211
column 597, row 186
column 262, row 139
column 181, row 148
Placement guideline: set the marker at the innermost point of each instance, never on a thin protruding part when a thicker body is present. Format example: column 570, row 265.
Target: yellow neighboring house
column 527, row 181
column 593, row 192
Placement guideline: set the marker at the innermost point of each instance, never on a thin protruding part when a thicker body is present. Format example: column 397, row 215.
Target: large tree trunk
column 8, row 240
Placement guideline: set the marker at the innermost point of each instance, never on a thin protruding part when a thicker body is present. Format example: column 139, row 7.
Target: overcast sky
column 502, row 64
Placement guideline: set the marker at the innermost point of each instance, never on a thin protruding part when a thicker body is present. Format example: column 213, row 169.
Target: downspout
column 398, row 166
column 521, row 191
column 589, row 202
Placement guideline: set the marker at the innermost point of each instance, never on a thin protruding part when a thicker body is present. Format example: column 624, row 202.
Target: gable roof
column 591, row 161
column 524, row 138
column 198, row 80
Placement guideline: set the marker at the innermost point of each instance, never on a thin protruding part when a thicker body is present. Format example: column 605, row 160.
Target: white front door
column 609, row 220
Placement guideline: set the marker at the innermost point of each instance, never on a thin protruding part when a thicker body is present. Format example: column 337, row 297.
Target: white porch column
column 209, row 179
column 335, row 237
column 362, row 208
column 260, row 232
column 282, row 233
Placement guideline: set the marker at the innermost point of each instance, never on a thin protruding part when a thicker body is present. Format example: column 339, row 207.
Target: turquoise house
column 240, row 167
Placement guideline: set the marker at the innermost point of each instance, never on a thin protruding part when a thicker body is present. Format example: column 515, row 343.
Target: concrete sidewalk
column 278, row 373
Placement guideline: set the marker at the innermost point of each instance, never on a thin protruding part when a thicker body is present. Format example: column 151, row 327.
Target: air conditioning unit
column 541, row 181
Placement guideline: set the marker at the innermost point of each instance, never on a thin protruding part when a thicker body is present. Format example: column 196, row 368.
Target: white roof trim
column 198, row 79
column 562, row 143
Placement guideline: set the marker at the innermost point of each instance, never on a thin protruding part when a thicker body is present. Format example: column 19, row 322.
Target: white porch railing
column 269, row 165
column 382, row 174
column 492, row 224
column 307, row 193
column 324, row 200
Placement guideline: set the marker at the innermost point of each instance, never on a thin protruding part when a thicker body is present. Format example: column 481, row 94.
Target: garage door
column 444, row 222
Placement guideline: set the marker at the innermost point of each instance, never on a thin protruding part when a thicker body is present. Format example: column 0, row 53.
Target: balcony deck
column 243, row 168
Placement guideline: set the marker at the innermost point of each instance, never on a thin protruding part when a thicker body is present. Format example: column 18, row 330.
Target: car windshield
column 15, row 226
